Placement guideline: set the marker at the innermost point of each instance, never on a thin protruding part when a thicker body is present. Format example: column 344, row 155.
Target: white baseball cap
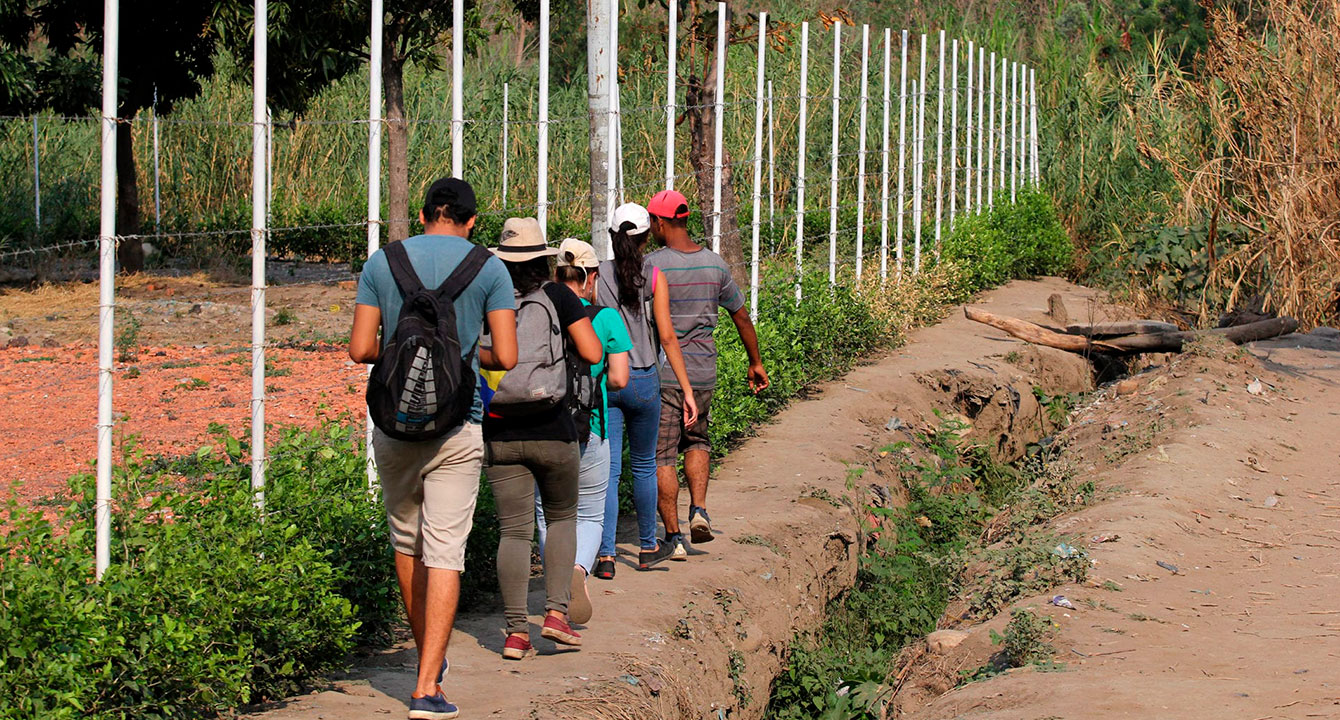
column 631, row 213
column 577, row 253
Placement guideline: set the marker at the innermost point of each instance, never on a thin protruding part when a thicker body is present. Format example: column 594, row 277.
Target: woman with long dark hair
column 636, row 289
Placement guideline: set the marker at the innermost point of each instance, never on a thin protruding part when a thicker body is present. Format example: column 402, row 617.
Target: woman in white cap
column 530, row 439
column 578, row 269
column 637, row 290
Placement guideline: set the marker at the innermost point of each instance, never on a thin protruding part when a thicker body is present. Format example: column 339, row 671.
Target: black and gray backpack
column 539, row 382
column 421, row 387
column 587, row 398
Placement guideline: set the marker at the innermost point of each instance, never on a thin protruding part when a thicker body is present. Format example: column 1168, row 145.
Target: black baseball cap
column 452, row 194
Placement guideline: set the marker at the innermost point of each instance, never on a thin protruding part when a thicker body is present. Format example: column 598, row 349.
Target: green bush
column 1012, row 241
column 207, row 604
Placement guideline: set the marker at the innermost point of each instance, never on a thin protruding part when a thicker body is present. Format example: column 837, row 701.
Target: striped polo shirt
column 699, row 283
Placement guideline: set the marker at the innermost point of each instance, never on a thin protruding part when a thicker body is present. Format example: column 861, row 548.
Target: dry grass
column 1270, row 160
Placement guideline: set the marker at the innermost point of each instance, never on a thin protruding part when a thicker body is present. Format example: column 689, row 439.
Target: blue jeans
column 636, row 408
column 593, row 475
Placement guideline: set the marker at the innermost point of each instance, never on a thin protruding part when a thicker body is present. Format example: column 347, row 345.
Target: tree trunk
column 699, row 97
column 397, row 147
column 598, row 107
column 129, row 253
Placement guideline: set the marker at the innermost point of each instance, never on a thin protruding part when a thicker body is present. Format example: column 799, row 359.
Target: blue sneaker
column 443, row 672
column 434, row 707
column 700, row 525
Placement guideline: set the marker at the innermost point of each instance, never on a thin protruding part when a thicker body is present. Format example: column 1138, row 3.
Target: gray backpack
column 539, row 381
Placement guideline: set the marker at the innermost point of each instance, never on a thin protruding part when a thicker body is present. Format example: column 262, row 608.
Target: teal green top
column 614, row 338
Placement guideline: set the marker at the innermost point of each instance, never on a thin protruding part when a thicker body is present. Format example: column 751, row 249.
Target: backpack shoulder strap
column 402, row 271
column 465, row 272
column 592, row 311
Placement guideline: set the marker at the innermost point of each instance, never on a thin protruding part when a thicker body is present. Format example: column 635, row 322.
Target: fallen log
column 1124, row 327
column 1129, row 344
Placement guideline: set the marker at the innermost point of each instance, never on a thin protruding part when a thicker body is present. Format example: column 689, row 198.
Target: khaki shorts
column 430, row 489
column 673, row 437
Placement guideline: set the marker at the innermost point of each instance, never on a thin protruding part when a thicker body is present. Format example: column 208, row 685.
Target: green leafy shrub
column 207, row 604
column 1012, row 241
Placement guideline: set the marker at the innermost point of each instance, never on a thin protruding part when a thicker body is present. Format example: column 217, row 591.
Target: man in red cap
column 699, row 282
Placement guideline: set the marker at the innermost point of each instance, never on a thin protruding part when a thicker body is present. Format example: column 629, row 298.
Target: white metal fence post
column 375, row 180
column 111, row 37
column 672, row 57
column 611, row 129
column 860, row 153
column 457, row 92
column 542, row 131
column 968, row 136
column 37, row 176
column 981, row 122
column 1033, row 111
column 991, row 141
column 1004, row 119
column 717, row 131
column 158, row 196
column 758, row 164
column 939, row 143
column 920, row 159
column 953, row 138
column 258, row 232
column 833, row 168
column 506, row 140
column 772, row 167
column 800, row 153
column 884, row 167
column 902, row 159
column 1014, row 128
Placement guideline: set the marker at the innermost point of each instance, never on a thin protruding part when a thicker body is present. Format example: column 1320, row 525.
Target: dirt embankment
column 1213, row 542
column 705, row 638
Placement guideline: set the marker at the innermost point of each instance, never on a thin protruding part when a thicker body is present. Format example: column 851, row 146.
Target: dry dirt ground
column 704, row 638
column 1224, row 467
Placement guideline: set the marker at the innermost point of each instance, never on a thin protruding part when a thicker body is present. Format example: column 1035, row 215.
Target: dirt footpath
column 1215, row 587
column 704, row 638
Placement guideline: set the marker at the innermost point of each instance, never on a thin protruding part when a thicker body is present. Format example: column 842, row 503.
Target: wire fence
column 846, row 149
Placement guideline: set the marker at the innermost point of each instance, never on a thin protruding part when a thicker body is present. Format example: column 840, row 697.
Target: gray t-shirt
column 641, row 327
column 434, row 257
column 699, row 282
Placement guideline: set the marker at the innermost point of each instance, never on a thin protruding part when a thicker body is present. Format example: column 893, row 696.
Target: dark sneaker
column 604, row 569
column 558, row 631
column 675, row 542
column 516, row 647
column 579, row 607
column 434, row 707
column 700, row 525
column 647, row 559
column 446, row 666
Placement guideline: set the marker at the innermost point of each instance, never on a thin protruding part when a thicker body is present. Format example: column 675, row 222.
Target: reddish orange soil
column 165, row 398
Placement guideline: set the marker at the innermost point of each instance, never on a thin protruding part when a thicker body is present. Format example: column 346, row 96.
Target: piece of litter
column 1254, row 387
column 1097, row 539
column 1167, row 566
column 1062, row 601
column 1065, row 550
column 860, row 390
column 766, row 576
column 630, row 680
column 1272, row 501
column 895, row 423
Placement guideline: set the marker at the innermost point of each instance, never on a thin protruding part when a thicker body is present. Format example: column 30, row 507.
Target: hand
column 758, row 378
column 690, row 409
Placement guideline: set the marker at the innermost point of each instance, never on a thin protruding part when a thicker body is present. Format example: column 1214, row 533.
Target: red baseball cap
column 668, row 204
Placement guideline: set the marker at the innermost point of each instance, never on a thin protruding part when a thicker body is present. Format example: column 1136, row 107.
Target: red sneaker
column 558, row 631
column 516, row 647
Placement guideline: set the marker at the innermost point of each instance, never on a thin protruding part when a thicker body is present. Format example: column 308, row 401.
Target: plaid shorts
column 673, row 438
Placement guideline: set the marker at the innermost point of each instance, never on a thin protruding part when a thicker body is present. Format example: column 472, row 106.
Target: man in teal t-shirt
column 577, row 268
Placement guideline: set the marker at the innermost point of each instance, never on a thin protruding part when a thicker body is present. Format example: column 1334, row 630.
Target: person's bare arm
column 665, row 330
column 584, row 339
column 364, row 346
column 758, row 377
column 502, row 330
column 616, row 371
